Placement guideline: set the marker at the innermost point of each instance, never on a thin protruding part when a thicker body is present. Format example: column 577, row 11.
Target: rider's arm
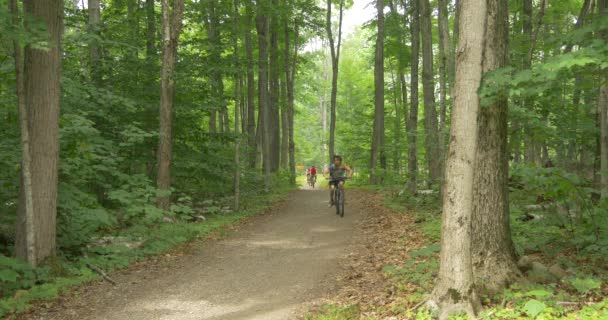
column 325, row 172
column 349, row 170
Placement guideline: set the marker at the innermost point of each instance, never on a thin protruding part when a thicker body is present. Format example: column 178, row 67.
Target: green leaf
column 534, row 307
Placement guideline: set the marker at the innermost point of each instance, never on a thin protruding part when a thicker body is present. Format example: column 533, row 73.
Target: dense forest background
column 125, row 116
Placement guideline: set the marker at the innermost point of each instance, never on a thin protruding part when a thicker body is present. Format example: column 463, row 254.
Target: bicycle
column 339, row 197
column 312, row 180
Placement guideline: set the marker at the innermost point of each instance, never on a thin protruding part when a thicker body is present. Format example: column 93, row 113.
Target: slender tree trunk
column 37, row 208
column 274, row 115
column 433, row 157
column 262, row 24
column 150, row 29
column 237, row 112
column 290, row 70
column 603, row 111
column 412, row 125
column 493, row 254
column 172, row 25
column 445, row 64
column 377, row 153
column 455, row 289
column 27, row 248
column 94, row 49
column 284, row 123
column 217, row 117
column 251, row 134
column 335, row 62
column 397, row 121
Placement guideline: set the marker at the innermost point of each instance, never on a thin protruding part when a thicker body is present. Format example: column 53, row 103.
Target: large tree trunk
column 603, row 111
column 335, row 62
column 274, row 115
column 172, row 25
column 217, row 118
column 412, row 124
column 377, row 154
column 251, row 141
column 433, row 157
column 94, row 49
column 42, row 93
column 493, row 254
column 262, row 25
column 455, row 288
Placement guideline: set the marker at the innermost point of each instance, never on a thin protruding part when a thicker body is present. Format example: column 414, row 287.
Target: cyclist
column 313, row 175
column 337, row 172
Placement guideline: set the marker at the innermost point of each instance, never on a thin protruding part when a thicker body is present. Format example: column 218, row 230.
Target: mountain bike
column 312, row 180
column 339, row 197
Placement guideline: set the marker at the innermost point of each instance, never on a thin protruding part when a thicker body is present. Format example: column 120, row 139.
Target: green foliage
column 335, row 312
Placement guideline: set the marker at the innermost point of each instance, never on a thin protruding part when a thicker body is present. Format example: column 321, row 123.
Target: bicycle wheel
column 337, row 195
column 341, row 203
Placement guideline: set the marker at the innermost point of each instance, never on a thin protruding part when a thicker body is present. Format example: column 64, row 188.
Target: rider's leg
column 331, row 193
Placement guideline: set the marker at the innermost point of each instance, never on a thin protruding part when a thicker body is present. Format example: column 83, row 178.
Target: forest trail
column 265, row 270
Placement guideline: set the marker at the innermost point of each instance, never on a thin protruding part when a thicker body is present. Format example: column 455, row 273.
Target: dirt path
column 264, row 270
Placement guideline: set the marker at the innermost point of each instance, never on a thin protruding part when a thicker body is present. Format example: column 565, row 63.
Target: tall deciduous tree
column 41, row 93
column 433, row 149
column 412, row 123
column 455, row 289
column 251, row 134
column 445, row 64
column 335, row 62
column 172, row 26
column 273, row 123
column 377, row 152
column 262, row 25
column 493, row 254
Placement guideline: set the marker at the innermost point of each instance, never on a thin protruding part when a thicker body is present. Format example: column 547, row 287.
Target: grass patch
column 335, row 312
column 49, row 281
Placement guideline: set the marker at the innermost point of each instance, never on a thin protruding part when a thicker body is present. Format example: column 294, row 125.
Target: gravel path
column 265, row 270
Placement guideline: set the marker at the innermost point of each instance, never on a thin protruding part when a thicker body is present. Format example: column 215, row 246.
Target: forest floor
column 268, row 267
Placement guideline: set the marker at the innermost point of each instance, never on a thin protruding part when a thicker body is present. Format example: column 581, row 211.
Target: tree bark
column 262, row 25
column 445, row 64
column 412, row 125
column 36, row 227
column 377, row 152
column 455, row 289
column 290, row 75
column 397, row 121
column 27, row 249
column 274, row 124
column 493, row 253
column 433, row 156
column 217, row 117
column 335, row 62
column 172, row 25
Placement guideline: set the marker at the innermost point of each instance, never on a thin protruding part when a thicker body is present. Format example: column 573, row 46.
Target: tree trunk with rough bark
column 493, row 253
column 172, row 25
column 433, row 156
column 36, row 224
column 377, row 152
column 455, row 287
column 290, row 71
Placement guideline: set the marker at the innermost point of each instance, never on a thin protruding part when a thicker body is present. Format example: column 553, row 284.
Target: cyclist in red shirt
column 312, row 176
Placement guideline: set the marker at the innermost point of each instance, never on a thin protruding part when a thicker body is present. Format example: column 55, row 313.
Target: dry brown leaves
column 383, row 237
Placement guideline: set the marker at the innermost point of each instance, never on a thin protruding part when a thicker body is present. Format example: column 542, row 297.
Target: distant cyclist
column 312, row 178
column 337, row 172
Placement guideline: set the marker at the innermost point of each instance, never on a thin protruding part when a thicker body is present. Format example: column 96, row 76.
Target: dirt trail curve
column 265, row 270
